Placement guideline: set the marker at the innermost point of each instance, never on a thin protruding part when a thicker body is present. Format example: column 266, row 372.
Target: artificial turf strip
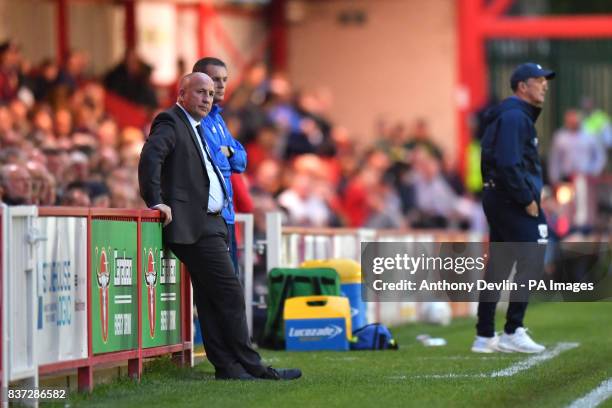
column 397, row 378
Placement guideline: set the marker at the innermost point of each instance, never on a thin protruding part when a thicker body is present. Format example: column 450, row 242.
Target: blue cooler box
column 352, row 291
column 317, row 323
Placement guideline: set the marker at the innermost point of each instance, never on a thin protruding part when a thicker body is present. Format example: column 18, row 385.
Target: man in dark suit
column 178, row 177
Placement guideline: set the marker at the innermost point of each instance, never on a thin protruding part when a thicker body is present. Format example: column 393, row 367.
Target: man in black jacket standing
column 512, row 177
column 178, row 177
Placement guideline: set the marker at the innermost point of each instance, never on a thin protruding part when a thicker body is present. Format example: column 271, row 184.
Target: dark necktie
column 216, row 169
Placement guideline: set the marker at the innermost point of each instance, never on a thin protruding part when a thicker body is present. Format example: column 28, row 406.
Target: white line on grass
column 595, row 397
column 442, row 376
column 473, row 357
column 515, row 368
column 347, row 358
column 534, row 360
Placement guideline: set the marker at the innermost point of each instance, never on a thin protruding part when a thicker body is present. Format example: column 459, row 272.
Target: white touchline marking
column 352, row 358
column 451, row 375
column 474, row 357
column 534, row 360
column 515, row 368
column 595, row 397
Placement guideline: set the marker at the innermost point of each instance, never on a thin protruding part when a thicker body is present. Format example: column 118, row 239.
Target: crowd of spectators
column 60, row 147
column 303, row 164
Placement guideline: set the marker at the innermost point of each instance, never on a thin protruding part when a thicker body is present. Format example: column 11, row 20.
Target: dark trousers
column 233, row 247
column 509, row 223
column 220, row 301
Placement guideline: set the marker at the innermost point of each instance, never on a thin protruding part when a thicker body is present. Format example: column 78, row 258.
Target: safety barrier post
column 135, row 364
column 85, row 373
column 3, row 318
column 273, row 240
column 19, row 285
column 247, row 220
column 185, row 356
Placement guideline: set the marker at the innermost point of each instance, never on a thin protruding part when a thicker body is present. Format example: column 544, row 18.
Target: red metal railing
column 85, row 367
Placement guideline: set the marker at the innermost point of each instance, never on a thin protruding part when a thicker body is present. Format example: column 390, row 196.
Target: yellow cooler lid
column 319, row 307
column 348, row 269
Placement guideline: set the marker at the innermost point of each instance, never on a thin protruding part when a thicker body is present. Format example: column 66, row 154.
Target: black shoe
column 281, row 374
column 242, row 377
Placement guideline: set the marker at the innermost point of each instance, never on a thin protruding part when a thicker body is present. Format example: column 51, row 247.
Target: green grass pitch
column 414, row 376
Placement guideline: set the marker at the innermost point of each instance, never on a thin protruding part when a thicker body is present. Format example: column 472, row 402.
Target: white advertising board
column 61, row 267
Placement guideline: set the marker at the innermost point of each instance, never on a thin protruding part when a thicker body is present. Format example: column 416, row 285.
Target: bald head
column 192, row 78
column 196, row 93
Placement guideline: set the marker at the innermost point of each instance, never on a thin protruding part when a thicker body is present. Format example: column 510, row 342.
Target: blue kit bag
column 373, row 336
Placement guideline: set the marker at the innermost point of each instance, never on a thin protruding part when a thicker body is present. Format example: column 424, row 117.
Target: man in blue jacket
column 228, row 154
column 512, row 177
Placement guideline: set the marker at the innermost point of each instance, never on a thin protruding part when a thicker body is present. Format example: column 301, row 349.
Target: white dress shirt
column 216, row 198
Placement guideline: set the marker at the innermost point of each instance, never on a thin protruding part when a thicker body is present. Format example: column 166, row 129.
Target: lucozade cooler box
column 317, row 323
